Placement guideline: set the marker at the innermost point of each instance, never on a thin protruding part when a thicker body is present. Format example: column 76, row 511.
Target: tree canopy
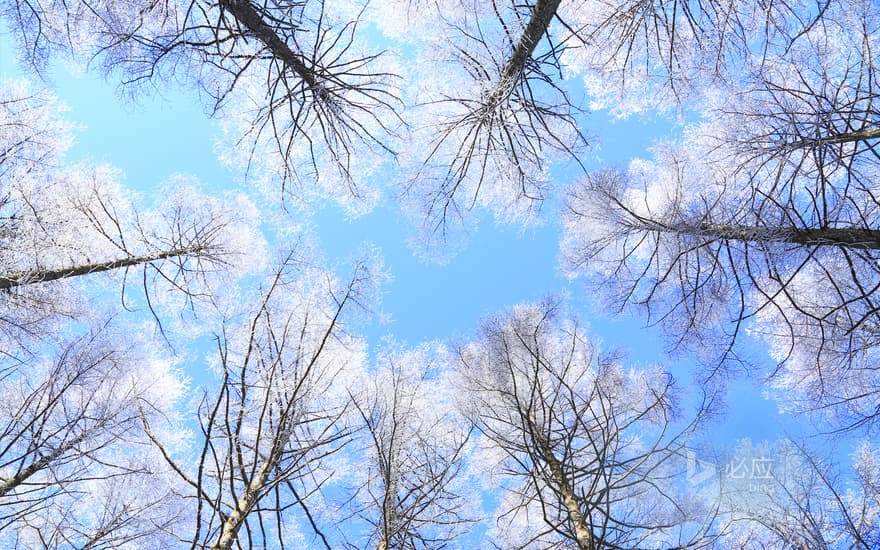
column 195, row 373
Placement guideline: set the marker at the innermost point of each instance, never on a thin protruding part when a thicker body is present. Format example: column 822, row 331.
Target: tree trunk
column 244, row 13
column 542, row 16
column 236, row 518
column 854, row 237
column 9, row 484
column 846, row 137
column 8, row 282
column 389, row 511
column 582, row 534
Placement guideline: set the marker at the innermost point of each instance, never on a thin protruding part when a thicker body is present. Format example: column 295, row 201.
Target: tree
column 586, row 451
column 278, row 413
column 805, row 501
column 59, row 223
column 638, row 55
column 493, row 116
column 411, row 489
column 764, row 219
column 76, row 468
column 496, row 110
column 309, row 111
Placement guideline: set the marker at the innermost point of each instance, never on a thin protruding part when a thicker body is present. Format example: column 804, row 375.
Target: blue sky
column 157, row 136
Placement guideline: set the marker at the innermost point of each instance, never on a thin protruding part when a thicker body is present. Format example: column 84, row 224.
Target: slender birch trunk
column 12, row 280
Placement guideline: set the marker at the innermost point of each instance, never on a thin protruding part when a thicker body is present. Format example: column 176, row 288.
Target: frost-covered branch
column 278, row 412
column 412, row 490
column 61, row 222
column 70, row 439
column 586, row 451
column 806, row 499
column 492, row 122
column 309, row 109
